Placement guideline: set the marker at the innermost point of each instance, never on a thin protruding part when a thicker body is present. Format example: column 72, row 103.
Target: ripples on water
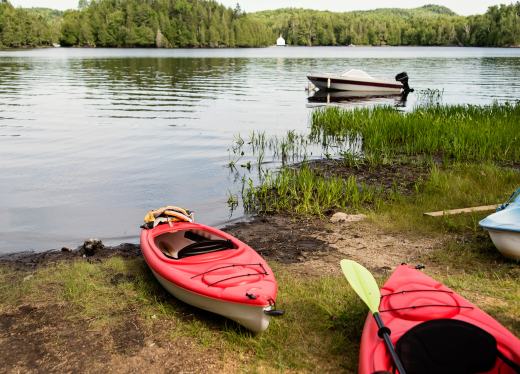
column 90, row 140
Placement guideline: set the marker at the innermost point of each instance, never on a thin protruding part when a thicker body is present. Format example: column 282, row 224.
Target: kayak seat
column 447, row 346
column 209, row 246
column 186, row 243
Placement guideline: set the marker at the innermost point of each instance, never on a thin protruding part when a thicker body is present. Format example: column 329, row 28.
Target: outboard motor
column 403, row 78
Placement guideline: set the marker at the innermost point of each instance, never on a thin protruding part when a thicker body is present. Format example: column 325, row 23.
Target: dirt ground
column 313, row 247
column 36, row 338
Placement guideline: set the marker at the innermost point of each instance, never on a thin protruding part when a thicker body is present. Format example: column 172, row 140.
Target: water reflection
column 355, row 98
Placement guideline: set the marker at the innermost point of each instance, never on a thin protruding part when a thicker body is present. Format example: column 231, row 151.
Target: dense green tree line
column 427, row 25
column 205, row 23
column 161, row 23
column 19, row 28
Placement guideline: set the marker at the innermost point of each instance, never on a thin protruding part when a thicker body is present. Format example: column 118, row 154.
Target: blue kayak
column 504, row 227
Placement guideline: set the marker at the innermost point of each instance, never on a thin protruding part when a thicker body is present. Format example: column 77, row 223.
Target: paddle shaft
column 389, row 344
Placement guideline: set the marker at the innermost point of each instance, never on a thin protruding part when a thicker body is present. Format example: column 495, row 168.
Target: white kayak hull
column 251, row 317
column 507, row 242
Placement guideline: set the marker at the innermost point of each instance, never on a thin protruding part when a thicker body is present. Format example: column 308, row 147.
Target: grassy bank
column 120, row 295
column 470, row 155
column 122, row 302
column 305, row 191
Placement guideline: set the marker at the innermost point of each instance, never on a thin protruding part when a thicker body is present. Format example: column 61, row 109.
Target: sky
column 462, row 7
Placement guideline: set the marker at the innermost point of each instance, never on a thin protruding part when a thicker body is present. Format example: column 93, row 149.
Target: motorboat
column 504, row 227
column 357, row 80
column 208, row 268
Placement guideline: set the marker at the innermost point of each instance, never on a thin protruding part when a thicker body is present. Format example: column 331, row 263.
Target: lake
column 92, row 139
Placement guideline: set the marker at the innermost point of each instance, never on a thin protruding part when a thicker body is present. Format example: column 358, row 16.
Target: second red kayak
column 435, row 331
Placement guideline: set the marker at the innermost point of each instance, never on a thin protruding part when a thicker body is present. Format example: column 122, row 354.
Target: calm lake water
column 92, row 139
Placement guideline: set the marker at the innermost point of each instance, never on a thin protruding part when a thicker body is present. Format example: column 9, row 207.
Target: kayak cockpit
column 453, row 346
column 180, row 244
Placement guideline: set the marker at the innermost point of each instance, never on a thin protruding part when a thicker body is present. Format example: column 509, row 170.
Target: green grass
column 458, row 186
column 306, row 339
column 320, row 332
column 459, row 132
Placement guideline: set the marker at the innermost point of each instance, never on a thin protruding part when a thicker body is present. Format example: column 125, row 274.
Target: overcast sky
column 462, row 7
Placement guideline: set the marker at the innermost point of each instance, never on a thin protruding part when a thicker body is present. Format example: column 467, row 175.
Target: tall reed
column 461, row 132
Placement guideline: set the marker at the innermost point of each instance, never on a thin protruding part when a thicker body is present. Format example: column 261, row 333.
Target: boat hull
column 504, row 229
column 507, row 242
column 251, row 317
column 357, row 97
column 410, row 298
column 350, row 84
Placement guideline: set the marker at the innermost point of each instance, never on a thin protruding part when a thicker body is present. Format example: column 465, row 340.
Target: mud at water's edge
column 280, row 239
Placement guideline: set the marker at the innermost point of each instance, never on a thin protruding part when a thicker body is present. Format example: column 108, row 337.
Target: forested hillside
column 427, row 25
column 48, row 14
column 19, row 28
column 205, row 23
column 162, row 23
column 426, row 11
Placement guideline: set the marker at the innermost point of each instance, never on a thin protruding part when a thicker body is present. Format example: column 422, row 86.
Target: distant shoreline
column 271, row 46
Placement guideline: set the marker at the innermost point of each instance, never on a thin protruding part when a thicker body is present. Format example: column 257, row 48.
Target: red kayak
column 212, row 270
column 435, row 331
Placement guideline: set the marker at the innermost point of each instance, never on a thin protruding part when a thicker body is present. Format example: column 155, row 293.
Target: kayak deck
column 408, row 299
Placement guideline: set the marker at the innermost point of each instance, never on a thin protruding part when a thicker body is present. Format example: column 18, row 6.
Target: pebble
column 66, row 249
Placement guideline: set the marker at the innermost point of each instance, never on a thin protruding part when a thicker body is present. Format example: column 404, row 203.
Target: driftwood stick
column 486, row 208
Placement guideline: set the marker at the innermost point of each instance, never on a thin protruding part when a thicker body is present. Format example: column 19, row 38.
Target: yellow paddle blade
column 363, row 283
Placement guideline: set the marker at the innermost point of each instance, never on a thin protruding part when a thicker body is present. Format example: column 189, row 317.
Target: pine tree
column 32, row 36
column 83, row 4
column 231, row 38
column 130, row 36
column 8, row 35
column 86, row 37
column 213, row 37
